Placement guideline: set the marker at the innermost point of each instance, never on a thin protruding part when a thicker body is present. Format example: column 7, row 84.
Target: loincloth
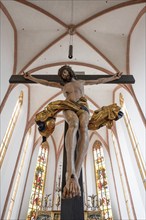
column 101, row 117
column 55, row 107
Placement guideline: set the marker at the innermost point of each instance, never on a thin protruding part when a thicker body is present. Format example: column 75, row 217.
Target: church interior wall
column 7, row 49
column 100, row 100
column 112, row 179
column 41, row 97
column 90, row 170
column 127, row 151
column 29, row 181
column 6, row 113
column 132, row 172
column 12, row 152
column 27, row 144
column 58, row 182
column 135, row 118
column 91, row 175
column 91, row 185
column 137, row 61
column 118, row 184
column 51, row 170
column 137, row 67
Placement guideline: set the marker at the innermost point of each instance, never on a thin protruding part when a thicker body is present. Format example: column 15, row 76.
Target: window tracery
column 17, row 181
column 38, row 185
column 134, row 141
column 101, row 181
column 10, row 128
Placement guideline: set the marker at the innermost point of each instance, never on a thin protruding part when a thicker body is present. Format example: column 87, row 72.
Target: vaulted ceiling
column 101, row 34
column 101, row 30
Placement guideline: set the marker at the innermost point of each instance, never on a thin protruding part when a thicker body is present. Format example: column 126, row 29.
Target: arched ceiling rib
column 40, row 9
column 96, row 57
column 139, row 16
column 46, row 69
column 38, row 55
column 5, row 11
column 110, row 8
column 50, row 23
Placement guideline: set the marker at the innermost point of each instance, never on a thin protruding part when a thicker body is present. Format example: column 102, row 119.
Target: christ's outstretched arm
column 42, row 81
column 103, row 80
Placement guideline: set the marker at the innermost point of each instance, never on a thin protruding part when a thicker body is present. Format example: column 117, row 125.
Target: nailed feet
column 72, row 187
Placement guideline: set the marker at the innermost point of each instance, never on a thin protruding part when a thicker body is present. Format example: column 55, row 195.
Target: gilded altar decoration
column 101, row 117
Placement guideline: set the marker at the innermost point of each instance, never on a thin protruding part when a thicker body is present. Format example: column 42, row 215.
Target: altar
column 56, row 215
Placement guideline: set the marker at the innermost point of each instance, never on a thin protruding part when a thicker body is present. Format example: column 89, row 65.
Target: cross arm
column 124, row 79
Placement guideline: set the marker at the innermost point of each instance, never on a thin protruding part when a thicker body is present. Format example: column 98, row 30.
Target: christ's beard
column 67, row 79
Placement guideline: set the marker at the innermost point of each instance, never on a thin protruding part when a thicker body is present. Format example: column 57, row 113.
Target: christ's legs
column 72, row 187
column 83, row 142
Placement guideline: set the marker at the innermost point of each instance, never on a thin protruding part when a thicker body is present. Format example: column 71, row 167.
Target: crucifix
column 76, row 114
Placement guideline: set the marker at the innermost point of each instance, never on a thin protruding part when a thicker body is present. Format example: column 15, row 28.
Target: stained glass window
column 101, row 181
column 38, row 183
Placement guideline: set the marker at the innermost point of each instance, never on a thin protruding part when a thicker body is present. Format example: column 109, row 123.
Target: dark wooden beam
column 71, row 209
column 125, row 79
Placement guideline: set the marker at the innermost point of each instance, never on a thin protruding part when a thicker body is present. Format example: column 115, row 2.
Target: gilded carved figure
column 76, row 114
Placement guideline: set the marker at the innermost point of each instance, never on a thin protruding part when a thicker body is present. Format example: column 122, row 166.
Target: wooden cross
column 72, row 209
column 124, row 79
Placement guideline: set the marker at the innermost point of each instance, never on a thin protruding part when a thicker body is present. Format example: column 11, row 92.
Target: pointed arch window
column 124, row 187
column 16, row 184
column 10, row 128
column 134, row 141
column 101, row 181
column 39, row 182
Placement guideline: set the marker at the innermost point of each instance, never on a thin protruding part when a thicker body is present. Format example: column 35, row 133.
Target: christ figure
column 73, row 90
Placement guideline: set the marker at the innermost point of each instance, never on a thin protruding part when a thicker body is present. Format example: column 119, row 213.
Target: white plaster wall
column 90, row 170
column 116, row 174
column 111, row 185
column 137, row 61
column 50, row 176
column 44, row 93
column 16, row 139
column 7, row 51
column 99, row 95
